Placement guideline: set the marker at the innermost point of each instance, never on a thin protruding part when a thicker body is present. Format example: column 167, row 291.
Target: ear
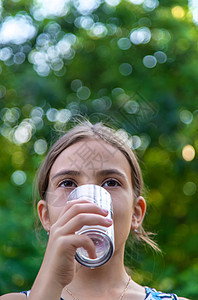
column 138, row 213
column 43, row 214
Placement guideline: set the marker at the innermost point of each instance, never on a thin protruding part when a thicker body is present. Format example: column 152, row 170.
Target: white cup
column 103, row 237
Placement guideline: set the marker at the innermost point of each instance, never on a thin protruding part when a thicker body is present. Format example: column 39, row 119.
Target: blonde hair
column 85, row 130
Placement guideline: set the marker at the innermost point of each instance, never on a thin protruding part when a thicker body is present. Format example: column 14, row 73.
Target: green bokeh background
column 104, row 75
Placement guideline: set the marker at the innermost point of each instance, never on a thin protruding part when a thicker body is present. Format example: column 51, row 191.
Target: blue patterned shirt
column 151, row 294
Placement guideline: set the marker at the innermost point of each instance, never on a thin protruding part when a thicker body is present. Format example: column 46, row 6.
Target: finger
column 70, row 203
column 78, row 241
column 79, row 208
column 77, row 222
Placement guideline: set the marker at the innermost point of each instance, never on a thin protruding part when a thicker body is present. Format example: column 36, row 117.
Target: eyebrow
column 66, row 172
column 111, row 172
column 99, row 173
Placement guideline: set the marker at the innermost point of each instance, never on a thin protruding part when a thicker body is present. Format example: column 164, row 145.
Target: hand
column 63, row 242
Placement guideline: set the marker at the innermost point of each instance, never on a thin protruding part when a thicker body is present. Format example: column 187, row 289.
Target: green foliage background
column 103, row 77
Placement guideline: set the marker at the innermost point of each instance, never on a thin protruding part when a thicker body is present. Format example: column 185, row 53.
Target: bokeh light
column 17, row 30
column 136, row 142
column 145, row 141
column 178, row 12
column 83, row 93
column 18, row 177
column 5, row 53
column 46, row 8
column 76, row 84
column 136, row 2
column 149, row 61
column 113, row 2
column 161, row 38
column 161, row 57
column 85, row 22
column 99, row 104
column 19, row 58
column 125, row 69
column 116, row 92
column 186, row 116
column 5, row 130
column 1, row 8
column 36, row 112
column 2, row 91
column 51, row 114
column 193, row 5
column 63, row 115
column 10, row 115
column 188, row 152
column 189, row 188
column 140, row 35
column 150, row 5
column 49, row 55
column 40, row 146
column 124, row 43
column 131, row 107
column 23, row 132
column 98, row 30
column 85, row 7
column 121, row 133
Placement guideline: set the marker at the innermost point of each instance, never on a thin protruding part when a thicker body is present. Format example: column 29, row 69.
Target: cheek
column 56, row 202
column 53, row 213
column 122, row 223
column 122, row 202
column 57, row 198
column 122, row 212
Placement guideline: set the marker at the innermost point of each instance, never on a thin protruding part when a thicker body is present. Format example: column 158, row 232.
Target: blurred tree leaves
column 132, row 65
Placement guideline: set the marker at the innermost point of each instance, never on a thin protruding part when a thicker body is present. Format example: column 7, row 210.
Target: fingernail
column 109, row 221
column 105, row 211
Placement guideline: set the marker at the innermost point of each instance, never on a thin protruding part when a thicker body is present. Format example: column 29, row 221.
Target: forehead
column 91, row 154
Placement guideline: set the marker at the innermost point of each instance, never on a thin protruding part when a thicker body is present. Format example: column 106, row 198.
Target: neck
column 102, row 279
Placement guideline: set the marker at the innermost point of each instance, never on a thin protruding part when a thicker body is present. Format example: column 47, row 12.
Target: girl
column 88, row 154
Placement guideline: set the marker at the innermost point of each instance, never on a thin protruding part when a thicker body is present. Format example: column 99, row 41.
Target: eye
column 67, row 183
column 111, row 183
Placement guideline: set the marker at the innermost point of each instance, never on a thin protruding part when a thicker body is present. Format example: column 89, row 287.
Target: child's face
column 94, row 162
